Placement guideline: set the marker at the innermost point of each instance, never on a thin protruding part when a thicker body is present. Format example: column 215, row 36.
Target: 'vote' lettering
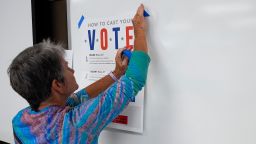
column 104, row 37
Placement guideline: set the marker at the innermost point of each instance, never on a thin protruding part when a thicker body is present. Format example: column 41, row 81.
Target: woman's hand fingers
column 140, row 10
column 121, row 62
column 125, row 62
column 119, row 56
column 138, row 19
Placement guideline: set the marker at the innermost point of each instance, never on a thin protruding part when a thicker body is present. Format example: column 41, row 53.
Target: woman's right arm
column 137, row 69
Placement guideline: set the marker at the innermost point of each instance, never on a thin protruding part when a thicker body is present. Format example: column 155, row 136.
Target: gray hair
column 33, row 70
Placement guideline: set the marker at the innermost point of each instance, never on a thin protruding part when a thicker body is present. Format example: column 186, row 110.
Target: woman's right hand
column 139, row 24
column 139, row 20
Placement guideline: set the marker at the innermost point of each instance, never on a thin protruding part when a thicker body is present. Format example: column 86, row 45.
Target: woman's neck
column 53, row 100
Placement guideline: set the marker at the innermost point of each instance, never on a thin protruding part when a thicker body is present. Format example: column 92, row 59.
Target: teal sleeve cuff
column 138, row 67
column 77, row 98
column 141, row 55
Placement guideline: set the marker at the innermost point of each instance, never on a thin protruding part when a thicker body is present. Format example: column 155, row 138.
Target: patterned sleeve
column 77, row 98
column 94, row 114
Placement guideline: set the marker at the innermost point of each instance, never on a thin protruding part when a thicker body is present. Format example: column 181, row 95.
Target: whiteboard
column 201, row 82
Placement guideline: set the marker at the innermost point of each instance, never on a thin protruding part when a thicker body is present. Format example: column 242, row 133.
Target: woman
column 56, row 115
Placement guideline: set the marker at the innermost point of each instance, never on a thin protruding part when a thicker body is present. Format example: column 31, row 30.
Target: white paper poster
column 94, row 42
column 69, row 57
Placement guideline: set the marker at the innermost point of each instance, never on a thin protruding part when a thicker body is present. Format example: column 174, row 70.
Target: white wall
column 201, row 82
column 15, row 35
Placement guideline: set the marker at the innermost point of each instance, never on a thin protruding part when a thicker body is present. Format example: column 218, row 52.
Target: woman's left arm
column 94, row 89
column 102, row 84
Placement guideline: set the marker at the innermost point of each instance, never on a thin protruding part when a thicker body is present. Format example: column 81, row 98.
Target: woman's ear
column 57, row 86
